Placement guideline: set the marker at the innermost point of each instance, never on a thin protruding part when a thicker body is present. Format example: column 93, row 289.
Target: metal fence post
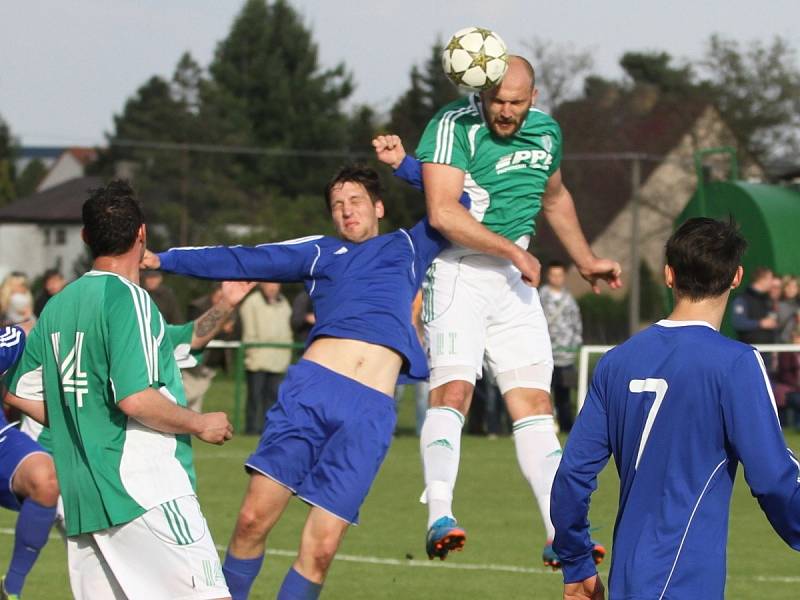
column 237, row 387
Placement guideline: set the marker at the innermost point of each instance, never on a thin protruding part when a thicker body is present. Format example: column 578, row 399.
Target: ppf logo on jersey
column 527, row 159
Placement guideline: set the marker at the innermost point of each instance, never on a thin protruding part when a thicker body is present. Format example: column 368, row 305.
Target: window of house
column 61, row 236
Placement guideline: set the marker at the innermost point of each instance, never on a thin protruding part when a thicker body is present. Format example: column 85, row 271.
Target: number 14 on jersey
column 71, row 369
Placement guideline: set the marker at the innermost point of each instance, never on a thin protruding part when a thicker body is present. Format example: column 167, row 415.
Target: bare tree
column 757, row 87
column 560, row 70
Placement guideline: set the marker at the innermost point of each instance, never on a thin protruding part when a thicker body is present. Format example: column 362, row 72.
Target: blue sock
column 297, row 587
column 33, row 529
column 240, row 573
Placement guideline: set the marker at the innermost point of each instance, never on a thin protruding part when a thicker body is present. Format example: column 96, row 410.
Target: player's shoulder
column 111, row 283
column 694, row 342
column 540, row 122
column 114, row 292
column 462, row 110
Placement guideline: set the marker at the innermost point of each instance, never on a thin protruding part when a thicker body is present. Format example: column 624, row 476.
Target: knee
column 319, row 552
column 43, row 487
column 454, row 394
column 252, row 524
column 540, row 404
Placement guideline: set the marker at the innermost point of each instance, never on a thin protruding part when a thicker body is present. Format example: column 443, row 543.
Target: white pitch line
column 456, row 566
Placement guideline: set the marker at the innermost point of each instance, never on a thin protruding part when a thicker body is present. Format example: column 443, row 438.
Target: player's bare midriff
column 370, row 364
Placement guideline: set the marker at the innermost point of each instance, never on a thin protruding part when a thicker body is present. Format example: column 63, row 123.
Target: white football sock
column 539, row 454
column 440, row 446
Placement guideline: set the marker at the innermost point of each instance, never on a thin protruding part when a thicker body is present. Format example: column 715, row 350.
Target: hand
column 602, row 269
column 768, row 323
column 389, row 150
column 233, row 292
column 529, row 266
column 588, row 589
column 150, row 260
column 215, row 428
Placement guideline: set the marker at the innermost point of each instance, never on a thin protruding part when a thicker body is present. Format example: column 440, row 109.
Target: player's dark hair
column 556, row 264
column 111, row 219
column 704, row 254
column 355, row 173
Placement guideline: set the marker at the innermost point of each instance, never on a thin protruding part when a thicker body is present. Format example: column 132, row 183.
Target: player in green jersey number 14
column 100, row 361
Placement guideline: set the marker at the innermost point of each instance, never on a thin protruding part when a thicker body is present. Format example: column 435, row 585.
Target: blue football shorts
column 325, row 438
column 15, row 447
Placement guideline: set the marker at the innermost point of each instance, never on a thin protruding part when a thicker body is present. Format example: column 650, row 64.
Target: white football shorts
column 165, row 554
column 478, row 304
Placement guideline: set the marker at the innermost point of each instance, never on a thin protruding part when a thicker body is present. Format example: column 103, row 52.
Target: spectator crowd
column 766, row 312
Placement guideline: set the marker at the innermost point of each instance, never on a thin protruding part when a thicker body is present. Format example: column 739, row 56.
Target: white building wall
column 32, row 249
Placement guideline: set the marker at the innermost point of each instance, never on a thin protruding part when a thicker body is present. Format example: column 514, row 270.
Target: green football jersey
column 98, row 341
column 185, row 357
column 504, row 177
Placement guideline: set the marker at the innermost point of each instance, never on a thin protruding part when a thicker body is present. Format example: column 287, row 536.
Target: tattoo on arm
column 210, row 321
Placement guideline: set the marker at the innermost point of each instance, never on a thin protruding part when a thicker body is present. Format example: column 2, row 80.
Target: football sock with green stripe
column 240, row 573
column 440, row 445
column 539, row 454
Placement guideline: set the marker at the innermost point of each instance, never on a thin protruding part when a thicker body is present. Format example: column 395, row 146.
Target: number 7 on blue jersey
column 659, row 388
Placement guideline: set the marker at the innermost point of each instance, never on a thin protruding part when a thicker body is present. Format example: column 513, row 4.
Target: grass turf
column 385, row 556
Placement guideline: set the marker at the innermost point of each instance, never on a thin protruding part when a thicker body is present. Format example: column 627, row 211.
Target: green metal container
column 768, row 216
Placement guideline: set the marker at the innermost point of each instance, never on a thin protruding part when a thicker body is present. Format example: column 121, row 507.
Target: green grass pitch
column 385, row 556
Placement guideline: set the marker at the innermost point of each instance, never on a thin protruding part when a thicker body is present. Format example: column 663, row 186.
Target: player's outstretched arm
column 283, row 262
column 588, row 589
column 754, row 433
column 559, row 209
column 444, row 185
column 209, row 324
column 155, row 411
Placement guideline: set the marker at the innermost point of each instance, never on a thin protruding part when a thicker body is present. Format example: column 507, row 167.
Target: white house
column 42, row 231
column 71, row 164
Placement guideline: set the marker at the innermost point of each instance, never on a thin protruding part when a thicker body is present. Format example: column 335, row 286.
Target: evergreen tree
column 31, row 176
column 7, row 191
column 157, row 131
column 268, row 64
column 429, row 90
column 757, row 89
column 655, row 68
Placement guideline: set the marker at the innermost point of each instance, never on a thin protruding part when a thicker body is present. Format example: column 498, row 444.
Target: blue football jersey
column 12, row 343
column 361, row 291
column 678, row 406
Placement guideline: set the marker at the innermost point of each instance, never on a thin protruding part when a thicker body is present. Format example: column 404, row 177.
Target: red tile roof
column 601, row 187
column 85, row 156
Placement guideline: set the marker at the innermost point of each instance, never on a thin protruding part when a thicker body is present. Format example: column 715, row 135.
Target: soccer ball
column 475, row 59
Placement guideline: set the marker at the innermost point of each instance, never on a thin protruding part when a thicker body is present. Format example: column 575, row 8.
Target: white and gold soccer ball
column 475, row 59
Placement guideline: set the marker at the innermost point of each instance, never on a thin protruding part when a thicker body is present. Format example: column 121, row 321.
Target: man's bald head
column 520, row 67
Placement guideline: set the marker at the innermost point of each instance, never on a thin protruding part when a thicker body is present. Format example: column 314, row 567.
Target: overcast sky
column 67, row 66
